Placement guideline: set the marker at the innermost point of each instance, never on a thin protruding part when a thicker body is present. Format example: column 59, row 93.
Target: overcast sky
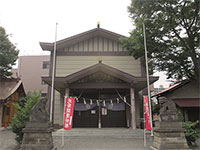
column 32, row 21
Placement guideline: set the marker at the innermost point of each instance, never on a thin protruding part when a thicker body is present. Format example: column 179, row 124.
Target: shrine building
column 107, row 82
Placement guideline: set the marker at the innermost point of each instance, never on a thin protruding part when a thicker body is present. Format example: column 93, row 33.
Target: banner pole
column 53, row 77
column 144, row 124
column 63, row 133
column 147, row 73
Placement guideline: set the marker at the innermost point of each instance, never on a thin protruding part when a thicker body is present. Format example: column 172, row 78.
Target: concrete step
column 101, row 133
column 101, row 139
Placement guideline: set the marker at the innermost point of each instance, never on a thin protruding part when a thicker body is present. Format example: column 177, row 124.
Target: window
column 46, row 65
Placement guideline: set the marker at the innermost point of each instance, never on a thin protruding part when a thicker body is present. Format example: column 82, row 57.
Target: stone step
column 101, row 139
column 103, row 133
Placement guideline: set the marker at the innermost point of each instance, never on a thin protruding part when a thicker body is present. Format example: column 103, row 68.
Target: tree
column 24, row 107
column 173, row 35
column 8, row 54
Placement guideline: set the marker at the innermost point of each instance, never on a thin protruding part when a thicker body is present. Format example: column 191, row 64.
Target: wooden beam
column 100, row 86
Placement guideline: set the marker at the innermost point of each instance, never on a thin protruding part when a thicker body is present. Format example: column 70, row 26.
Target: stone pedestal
column 38, row 132
column 170, row 136
column 37, row 138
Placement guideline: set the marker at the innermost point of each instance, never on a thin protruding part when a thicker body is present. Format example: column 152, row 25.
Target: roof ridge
column 59, row 42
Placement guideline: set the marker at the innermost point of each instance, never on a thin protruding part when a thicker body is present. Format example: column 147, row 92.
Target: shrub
column 156, row 109
column 192, row 132
column 179, row 114
column 24, row 107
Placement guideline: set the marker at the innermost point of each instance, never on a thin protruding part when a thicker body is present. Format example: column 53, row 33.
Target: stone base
column 169, row 135
column 37, row 139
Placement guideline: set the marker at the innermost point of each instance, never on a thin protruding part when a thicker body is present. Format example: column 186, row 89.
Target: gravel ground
column 7, row 139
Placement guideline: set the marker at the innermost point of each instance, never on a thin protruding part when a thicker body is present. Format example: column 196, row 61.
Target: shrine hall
column 105, row 80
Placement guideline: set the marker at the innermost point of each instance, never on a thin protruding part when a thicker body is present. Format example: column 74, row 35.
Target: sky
column 29, row 22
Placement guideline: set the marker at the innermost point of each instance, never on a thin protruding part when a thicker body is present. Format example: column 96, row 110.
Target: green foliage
column 179, row 114
column 156, row 109
column 8, row 54
column 172, row 33
column 23, row 112
column 192, row 132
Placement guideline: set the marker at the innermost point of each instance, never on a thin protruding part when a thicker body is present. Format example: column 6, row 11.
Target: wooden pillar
column 133, row 111
column 67, row 92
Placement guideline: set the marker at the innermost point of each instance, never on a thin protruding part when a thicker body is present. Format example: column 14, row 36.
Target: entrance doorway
column 99, row 117
column 99, row 110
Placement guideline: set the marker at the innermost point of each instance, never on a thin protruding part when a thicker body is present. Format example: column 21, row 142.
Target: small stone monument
column 168, row 132
column 37, row 133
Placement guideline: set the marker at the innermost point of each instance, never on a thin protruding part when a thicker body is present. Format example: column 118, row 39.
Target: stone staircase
column 104, row 138
column 103, row 132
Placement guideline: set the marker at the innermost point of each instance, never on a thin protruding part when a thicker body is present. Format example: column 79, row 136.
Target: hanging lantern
column 117, row 100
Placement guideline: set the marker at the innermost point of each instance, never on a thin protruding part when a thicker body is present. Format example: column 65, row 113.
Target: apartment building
column 30, row 70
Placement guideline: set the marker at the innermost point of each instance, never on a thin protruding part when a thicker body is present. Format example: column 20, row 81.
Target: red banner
column 147, row 114
column 69, row 110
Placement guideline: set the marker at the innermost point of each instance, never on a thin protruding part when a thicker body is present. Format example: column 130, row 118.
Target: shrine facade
column 105, row 80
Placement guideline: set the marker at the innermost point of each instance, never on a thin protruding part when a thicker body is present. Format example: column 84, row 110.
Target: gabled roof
column 8, row 87
column 187, row 102
column 139, row 82
column 172, row 87
column 80, row 37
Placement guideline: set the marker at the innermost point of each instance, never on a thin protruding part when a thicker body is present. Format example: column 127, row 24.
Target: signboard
column 93, row 111
column 69, row 110
column 147, row 114
column 104, row 111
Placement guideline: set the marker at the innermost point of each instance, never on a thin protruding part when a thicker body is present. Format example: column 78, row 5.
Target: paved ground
column 101, row 139
column 88, row 139
column 7, row 139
